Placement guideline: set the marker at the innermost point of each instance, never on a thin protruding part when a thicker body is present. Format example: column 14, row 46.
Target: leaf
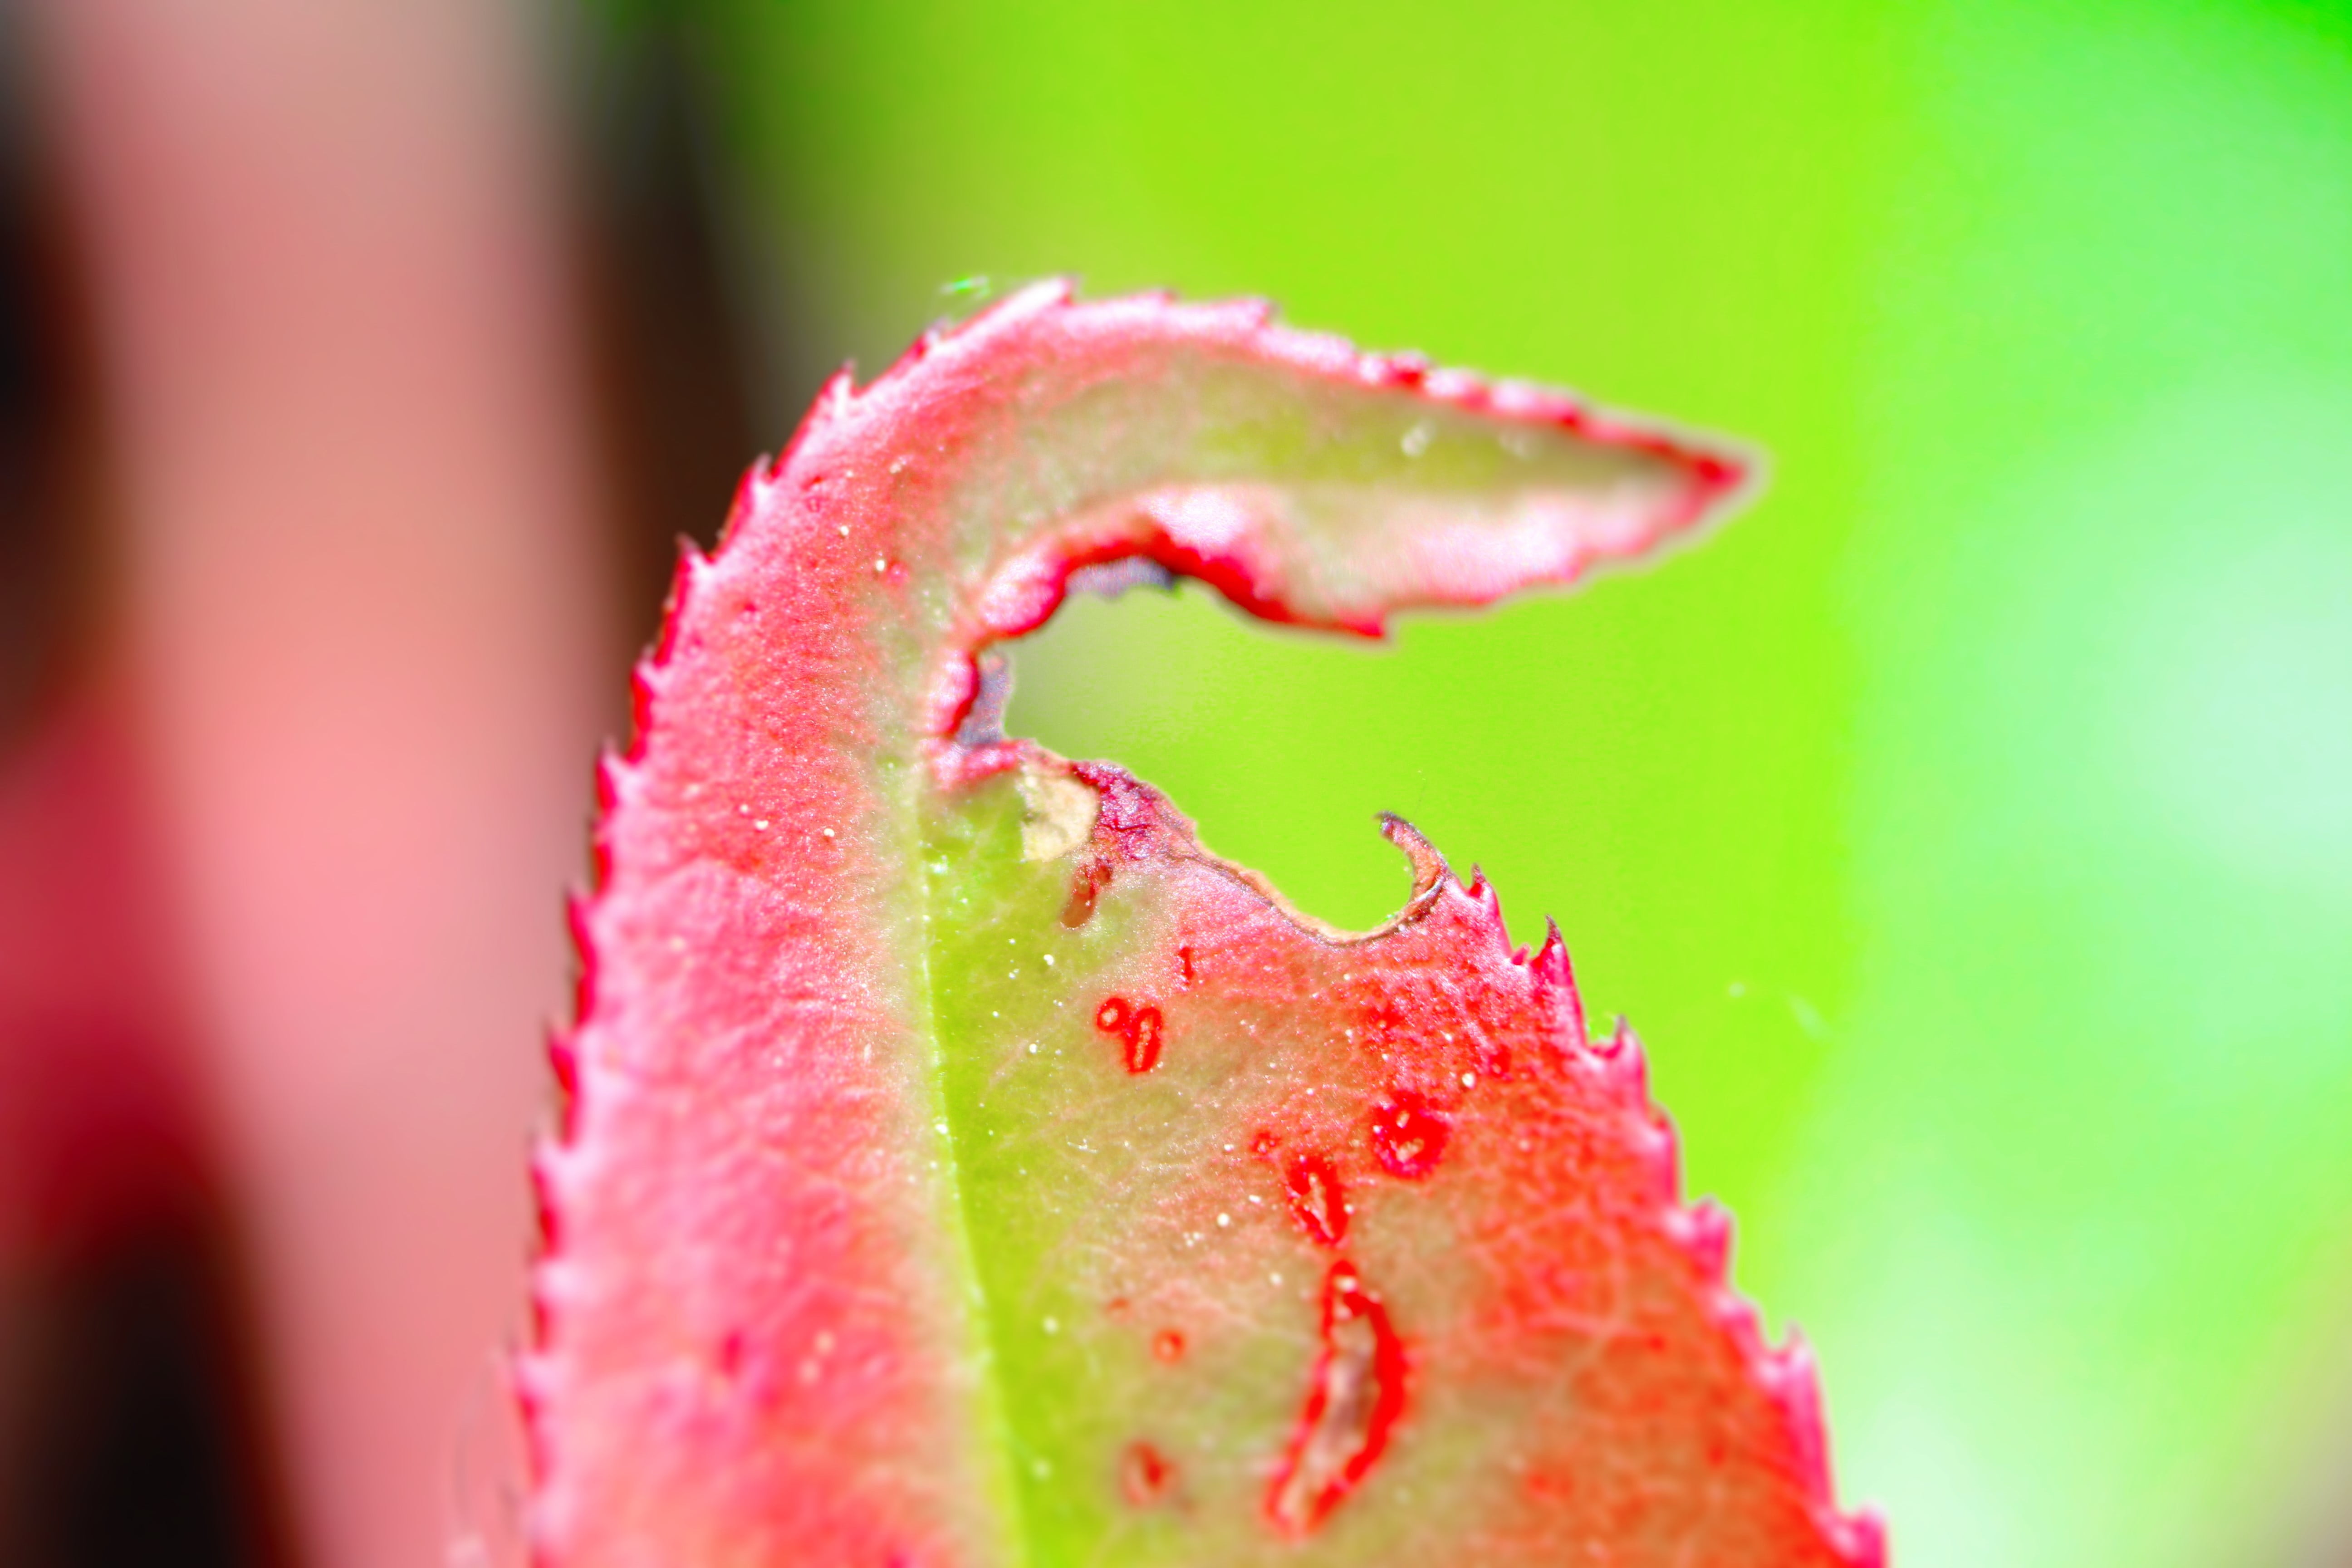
column 961, row 1165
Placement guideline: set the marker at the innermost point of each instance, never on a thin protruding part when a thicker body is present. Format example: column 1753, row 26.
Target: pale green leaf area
column 1144, row 1282
column 1155, row 1218
column 1966, row 826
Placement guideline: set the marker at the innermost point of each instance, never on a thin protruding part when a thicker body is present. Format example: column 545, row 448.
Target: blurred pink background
column 320, row 329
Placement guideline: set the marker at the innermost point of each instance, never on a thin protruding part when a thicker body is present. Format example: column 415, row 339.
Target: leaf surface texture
column 964, row 1167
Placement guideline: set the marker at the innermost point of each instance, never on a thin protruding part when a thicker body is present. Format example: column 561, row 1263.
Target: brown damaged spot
column 1059, row 811
column 1134, row 823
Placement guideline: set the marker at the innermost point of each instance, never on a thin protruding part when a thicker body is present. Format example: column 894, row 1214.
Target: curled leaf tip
column 964, row 1167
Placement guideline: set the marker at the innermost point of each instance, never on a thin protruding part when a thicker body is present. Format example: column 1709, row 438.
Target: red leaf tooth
column 1702, row 1229
column 1555, row 978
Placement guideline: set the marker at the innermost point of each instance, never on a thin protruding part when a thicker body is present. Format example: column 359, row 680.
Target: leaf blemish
column 1139, row 1029
column 1316, row 1198
column 1355, row 1397
column 1408, row 1135
column 1145, row 1474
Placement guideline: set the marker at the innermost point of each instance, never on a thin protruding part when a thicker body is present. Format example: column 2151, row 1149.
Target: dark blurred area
column 137, row 1422
column 677, row 366
column 45, row 416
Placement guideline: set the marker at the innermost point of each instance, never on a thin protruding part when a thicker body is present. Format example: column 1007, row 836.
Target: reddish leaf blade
column 779, row 1303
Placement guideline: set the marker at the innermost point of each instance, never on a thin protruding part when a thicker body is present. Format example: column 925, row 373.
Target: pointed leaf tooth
column 1620, row 1044
column 547, row 1211
column 836, row 400
column 564, row 1058
column 1518, row 399
column 1660, row 1151
column 1405, row 369
column 1626, row 1071
column 1628, row 1065
column 1465, row 388
column 1740, row 1323
column 690, row 572
column 927, row 339
column 1790, row 1377
column 764, row 486
column 1703, row 1230
column 1482, row 893
column 1555, row 979
column 578, row 914
column 613, row 777
column 1859, row 1538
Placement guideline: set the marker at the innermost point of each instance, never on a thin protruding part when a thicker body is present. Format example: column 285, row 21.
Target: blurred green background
column 1968, row 827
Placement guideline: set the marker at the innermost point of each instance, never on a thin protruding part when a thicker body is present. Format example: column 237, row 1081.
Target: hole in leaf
column 1274, row 742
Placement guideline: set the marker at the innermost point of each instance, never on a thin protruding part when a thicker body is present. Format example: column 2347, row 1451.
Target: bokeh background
column 1967, row 827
